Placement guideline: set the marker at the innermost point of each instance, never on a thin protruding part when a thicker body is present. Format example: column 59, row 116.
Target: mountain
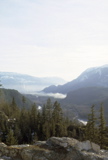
column 91, row 87
column 79, row 102
column 26, row 83
column 87, row 96
column 97, row 76
column 6, row 95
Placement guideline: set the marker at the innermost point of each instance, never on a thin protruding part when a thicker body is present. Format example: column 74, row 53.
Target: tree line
column 96, row 129
column 22, row 125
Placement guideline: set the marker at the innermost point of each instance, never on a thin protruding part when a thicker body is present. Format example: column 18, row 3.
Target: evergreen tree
column 33, row 120
column 24, row 124
column 13, row 104
column 47, row 114
column 102, row 126
column 14, row 110
column 90, row 127
column 48, row 110
column 57, row 117
column 3, row 125
column 39, row 125
column 11, row 140
column 23, row 100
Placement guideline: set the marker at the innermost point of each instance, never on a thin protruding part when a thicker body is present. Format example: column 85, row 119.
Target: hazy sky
column 53, row 37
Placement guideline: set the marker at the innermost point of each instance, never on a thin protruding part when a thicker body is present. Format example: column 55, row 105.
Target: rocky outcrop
column 54, row 149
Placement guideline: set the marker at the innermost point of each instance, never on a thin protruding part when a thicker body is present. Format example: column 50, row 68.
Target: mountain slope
column 97, row 77
column 25, row 83
column 87, row 96
column 78, row 103
column 6, row 95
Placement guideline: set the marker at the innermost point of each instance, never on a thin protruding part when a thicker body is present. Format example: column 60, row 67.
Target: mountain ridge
column 96, row 76
column 25, row 83
column 7, row 95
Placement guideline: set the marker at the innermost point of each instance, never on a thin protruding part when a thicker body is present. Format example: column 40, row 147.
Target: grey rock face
column 54, row 149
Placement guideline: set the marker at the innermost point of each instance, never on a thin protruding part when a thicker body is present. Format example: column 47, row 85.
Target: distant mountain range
column 26, row 83
column 93, row 77
column 91, row 87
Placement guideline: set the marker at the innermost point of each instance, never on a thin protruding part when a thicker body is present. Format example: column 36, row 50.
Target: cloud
column 55, row 95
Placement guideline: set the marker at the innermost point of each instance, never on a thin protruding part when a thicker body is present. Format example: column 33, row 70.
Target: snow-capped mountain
column 26, row 83
column 97, row 76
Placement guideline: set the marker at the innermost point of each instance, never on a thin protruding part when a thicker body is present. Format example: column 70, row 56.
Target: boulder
column 71, row 142
column 95, row 147
column 61, row 142
column 54, row 148
column 87, row 146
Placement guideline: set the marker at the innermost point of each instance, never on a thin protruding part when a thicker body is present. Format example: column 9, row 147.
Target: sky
column 46, row 38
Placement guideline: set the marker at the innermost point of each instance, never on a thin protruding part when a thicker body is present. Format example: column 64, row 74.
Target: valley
column 76, row 97
column 67, row 112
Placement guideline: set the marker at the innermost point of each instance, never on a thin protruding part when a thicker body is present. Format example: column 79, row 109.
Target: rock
column 93, row 156
column 95, row 147
column 88, row 146
column 3, row 149
column 71, row 142
column 2, row 145
column 13, row 152
column 54, row 149
column 5, row 158
column 40, row 143
column 27, row 154
column 0, row 153
column 61, row 142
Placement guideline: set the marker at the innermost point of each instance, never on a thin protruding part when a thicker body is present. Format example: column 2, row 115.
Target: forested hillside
column 79, row 101
column 28, row 125
column 7, row 95
column 21, row 125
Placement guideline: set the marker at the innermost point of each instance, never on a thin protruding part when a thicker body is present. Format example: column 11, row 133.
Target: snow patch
column 98, row 71
column 7, row 77
column 84, row 78
column 89, row 69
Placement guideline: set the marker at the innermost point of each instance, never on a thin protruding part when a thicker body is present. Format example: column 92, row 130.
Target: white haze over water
column 53, row 38
column 55, row 95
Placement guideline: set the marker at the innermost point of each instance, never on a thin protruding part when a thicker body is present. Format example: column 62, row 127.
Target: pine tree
column 46, row 120
column 24, row 123
column 90, row 127
column 57, row 117
column 48, row 110
column 11, row 140
column 33, row 120
column 13, row 104
column 3, row 125
column 14, row 110
column 23, row 100
column 102, row 126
